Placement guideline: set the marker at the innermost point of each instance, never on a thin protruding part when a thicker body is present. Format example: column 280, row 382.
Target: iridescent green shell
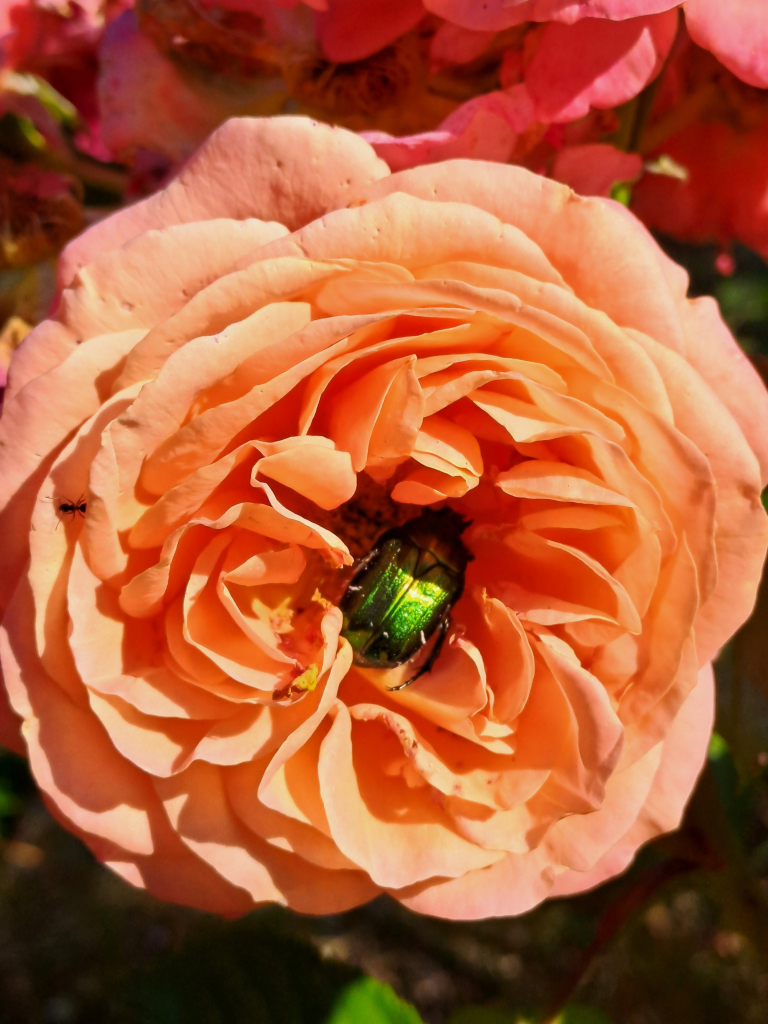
column 404, row 589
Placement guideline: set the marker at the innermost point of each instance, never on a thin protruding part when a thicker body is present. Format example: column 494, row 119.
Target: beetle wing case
column 405, row 588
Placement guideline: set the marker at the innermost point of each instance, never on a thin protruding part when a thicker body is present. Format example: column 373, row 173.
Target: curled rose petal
column 248, row 380
column 736, row 34
column 596, row 63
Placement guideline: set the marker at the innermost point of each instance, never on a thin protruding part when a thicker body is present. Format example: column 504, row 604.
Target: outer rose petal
column 292, row 171
column 742, row 528
column 551, row 215
column 736, row 32
column 684, row 752
column 596, row 63
column 713, row 351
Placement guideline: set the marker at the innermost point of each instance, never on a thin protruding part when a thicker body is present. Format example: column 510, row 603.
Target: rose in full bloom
column 253, row 373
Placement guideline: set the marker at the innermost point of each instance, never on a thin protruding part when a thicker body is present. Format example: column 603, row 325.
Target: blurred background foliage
column 682, row 937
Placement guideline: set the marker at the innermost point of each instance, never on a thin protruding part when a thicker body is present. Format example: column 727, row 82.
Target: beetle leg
column 433, row 654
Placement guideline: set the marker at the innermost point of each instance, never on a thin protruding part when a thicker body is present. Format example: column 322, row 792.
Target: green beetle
column 403, row 590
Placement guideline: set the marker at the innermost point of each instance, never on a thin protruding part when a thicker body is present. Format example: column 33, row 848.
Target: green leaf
column 621, row 191
column 32, row 85
column 718, row 748
column 367, row 1001
column 743, row 300
column 726, row 776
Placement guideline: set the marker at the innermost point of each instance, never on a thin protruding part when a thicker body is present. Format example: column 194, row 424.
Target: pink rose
column 736, row 32
column 249, row 375
column 716, row 129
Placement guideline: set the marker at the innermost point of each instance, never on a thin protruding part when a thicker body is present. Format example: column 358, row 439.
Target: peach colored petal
column 314, row 469
column 114, row 292
column 620, row 356
column 645, row 731
column 579, row 841
column 666, row 635
column 507, row 656
column 438, row 764
column 391, row 404
column 74, row 762
column 683, row 755
column 742, row 528
column 178, row 504
column 286, row 833
column 205, row 436
column 158, row 746
column 597, row 736
column 181, row 877
column 553, row 218
column 426, row 486
column 23, row 461
column 209, row 627
column 161, row 693
column 297, row 170
column 197, row 806
column 395, row 849
column 411, row 233
column 712, row 350
column 450, row 695
column 44, row 347
column 513, row 885
column 164, row 403
column 272, row 790
column 447, row 441
column 571, row 573
column 558, row 481
column 223, row 306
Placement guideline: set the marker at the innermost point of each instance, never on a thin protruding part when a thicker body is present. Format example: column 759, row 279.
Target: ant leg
column 443, row 628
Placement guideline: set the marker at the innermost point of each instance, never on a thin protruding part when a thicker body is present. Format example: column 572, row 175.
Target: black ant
column 72, row 508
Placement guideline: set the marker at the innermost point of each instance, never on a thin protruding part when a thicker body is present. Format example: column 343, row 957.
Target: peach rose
column 249, row 376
